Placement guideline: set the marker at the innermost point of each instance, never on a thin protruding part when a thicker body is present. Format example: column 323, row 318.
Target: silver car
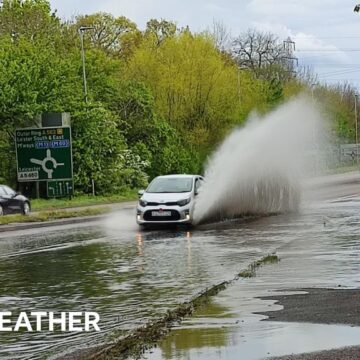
column 168, row 200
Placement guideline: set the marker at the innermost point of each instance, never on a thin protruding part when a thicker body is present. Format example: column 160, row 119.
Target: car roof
column 178, row 175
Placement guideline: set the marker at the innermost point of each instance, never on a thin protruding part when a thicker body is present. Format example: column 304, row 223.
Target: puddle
column 318, row 255
column 128, row 277
column 252, row 341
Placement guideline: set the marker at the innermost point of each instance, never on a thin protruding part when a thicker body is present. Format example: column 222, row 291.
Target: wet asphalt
column 131, row 277
column 307, row 303
column 128, row 276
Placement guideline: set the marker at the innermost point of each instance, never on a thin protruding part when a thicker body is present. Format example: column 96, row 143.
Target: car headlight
column 183, row 202
column 142, row 203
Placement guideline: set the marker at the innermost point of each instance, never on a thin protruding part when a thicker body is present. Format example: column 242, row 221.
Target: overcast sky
column 326, row 32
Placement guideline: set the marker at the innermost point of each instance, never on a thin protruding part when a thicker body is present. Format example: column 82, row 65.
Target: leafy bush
column 101, row 154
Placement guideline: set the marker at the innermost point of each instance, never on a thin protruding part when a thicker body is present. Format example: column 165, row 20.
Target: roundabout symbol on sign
column 45, row 161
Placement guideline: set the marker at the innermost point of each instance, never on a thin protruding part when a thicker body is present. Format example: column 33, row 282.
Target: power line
column 316, row 56
column 325, row 37
column 341, row 72
column 337, row 65
column 327, row 50
column 341, row 79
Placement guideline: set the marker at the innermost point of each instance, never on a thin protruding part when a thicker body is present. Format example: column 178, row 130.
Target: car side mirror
column 141, row 193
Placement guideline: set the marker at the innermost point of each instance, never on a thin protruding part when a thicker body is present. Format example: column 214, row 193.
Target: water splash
column 259, row 168
column 121, row 222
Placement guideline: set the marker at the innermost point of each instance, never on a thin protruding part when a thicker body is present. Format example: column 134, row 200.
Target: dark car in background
column 12, row 202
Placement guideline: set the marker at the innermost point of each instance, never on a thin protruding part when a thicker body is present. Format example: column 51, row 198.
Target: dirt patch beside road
column 322, row 306
column 349, row 353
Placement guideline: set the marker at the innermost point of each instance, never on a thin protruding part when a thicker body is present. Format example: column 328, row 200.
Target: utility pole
column 238, row 84
column 312, row 91
column 82, row 29
column 356, row 130
column 316, row 145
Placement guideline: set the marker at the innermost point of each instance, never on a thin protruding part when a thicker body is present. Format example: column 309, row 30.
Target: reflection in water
column 140, row 243
column 187, row 337
column 318, row 256
column 252, row 343
column 130, row 277
column 179, row 343
column 188, row 236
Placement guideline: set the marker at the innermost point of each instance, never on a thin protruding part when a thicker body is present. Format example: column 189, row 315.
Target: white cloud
column 308, row 22
column 310, row 46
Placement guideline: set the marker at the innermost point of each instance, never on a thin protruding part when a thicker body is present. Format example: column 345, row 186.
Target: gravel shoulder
column 324, row 306
column 348, row 353
column 321, row 306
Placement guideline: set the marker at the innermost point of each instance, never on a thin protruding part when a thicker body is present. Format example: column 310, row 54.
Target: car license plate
column 161, row 213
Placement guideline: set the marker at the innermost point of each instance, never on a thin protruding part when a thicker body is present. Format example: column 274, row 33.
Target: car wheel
column 1, row 211
column 26, row 208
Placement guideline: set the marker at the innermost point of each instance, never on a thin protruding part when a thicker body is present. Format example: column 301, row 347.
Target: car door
column 14, row 203
column 4, row 200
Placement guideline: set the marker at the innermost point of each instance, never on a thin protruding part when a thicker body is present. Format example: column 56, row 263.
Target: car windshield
column 170, row 185
column 8, row 190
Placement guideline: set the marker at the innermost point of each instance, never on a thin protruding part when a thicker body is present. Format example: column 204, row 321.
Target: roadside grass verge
column 80, row 206
column 341, row 169
column 82, row 200
column 52, row 215
column 144, row 338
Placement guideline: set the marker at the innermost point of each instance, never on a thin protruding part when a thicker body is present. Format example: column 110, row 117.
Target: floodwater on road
column 324, row 252
column 127, row 276
column 130, row 277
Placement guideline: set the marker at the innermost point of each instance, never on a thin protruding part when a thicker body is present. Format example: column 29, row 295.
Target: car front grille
column 174, row 216
column 173, row 203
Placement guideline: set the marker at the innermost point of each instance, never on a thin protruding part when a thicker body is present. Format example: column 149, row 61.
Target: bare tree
column 307, row 76
column 221, row 35
column 255, row 50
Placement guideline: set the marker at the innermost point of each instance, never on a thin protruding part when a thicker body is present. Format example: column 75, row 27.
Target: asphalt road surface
column 130, row 277
column 108, row 266
column 287, row 311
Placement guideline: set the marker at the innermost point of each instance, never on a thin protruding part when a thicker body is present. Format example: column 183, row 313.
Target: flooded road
column 130, row 277
column 323, row 251
column 127, row 276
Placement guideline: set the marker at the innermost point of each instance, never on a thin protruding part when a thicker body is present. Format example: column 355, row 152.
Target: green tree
column 160, row 30
column 32, row 19
column 100, row 153
column 194, row 90
column 33, row 80
column 114, row 35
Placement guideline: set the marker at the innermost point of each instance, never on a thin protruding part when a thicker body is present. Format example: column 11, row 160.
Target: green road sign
column 44, row 154
column 59, row 188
